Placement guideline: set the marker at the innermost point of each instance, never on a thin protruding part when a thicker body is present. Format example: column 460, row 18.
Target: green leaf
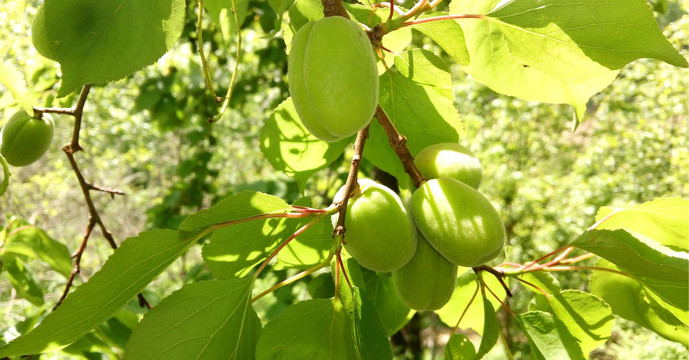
column 107, row 40
column 391, row 310
column 465, row 288
column 14, row 82
column 309, row 330
column 34, row 242
column 242, row 205
column 419, row 112
column 548, row 337
column 371, row 341
column 491, row 329
column 556, row 38
column 493, row 64
column 664, row 271
column 447, row 34
column 664, row 220
column 630, row 300
column 5, row 175
column 127, row 271
column 459, row 348
column 292, row 149
column 203, row 320
column 220, row 11
column 587, row 317
column 426, row 69
column 22, row 279
column 309, row 249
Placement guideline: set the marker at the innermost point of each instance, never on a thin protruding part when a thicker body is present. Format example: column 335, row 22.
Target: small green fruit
column 333, row 78
column 380, row 233
column 449, row 160
column 427, row 281
column 39, row 35
column 459, row 222
column 24, row 139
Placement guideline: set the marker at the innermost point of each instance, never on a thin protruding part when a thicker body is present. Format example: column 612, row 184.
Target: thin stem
column 466, row 308
column 392, row 9
column 237, row 56
column 398, row 142
column 202, row 54
column 498, row 273
column 294, row 278
column 443, row 17
column 484, row 285
column 297, row 215
column 341, row 265
column 533, row 286
column 542, row 258
column 77, row 261
column 578, row 258
column 351, row 185
column 286, row 242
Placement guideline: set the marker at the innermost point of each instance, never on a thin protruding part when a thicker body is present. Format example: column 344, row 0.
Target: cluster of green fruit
column 449, row 224
column 333, row 81
column 24, row 139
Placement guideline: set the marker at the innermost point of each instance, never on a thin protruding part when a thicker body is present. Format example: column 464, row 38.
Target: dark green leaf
column 309, row 330
column 664, row 271
column 392, row 312
column 128, row 270
column 548, row 337
column 22, row 279
column 491, row 329
column 101, row 41
column 204, row 320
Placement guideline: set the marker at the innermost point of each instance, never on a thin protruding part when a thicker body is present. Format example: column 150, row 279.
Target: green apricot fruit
column 427, row 281
column 39, row 35
column 333, row 78
column 459, row 222
column 24, row 139
column 449, row 160
column 380, row 233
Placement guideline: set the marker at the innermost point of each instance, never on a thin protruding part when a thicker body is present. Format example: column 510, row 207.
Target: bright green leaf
column 459, row 348
column 447, row 34
column 292, row 149
column 580, row 39
column 419, row 112
column 426, row 69
column 309, row 249
column 664, row 220
column 465, row 288
column 658, row 268
column 127, row 271
column 14, row 82
column 203, row 320
column 309, row 330
column 493, row 64
column 548, row 337
column 239, row 206
column 107, row 40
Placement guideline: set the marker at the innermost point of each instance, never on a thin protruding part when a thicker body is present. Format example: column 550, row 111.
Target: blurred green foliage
column 149, row 136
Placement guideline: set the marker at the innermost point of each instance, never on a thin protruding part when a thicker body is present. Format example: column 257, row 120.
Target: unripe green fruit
column 380, row 233
column 39, row 36
column 427, row 281
column 333, row 78
column 25, row 139
column 449, row 160
column 459, row 222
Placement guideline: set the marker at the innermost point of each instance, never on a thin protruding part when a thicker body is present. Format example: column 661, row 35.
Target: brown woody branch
column 334, row 8
column 352, row 184
column 398, row 142
column 94, row 218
